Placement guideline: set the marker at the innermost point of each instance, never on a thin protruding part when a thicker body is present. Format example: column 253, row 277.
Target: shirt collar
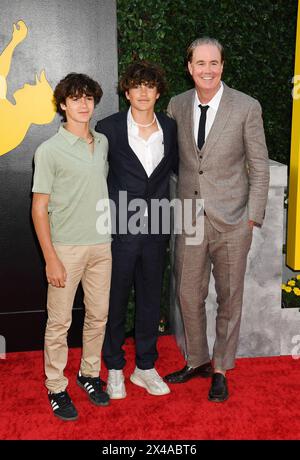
column 130, row 118
column 132, row 123
column 215, row 101
column 72, row 138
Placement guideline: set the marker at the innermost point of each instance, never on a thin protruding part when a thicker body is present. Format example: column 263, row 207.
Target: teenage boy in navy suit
column 142, row 154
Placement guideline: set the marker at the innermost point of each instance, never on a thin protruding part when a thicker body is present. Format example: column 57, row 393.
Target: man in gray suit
column 224, row 161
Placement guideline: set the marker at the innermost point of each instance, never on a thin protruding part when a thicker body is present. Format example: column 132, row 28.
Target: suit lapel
column 166, row 142
column 188, row 110
column 219, row 123
column 124, row 140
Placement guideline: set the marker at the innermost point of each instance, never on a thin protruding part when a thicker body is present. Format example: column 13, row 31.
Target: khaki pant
column 92, row 266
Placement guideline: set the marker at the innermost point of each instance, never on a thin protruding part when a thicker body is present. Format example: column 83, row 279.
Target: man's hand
column 56, row 273
column 252, row 224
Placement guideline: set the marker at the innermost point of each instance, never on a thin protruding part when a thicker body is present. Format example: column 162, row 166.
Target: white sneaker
column 150, row 380
column 115, row 384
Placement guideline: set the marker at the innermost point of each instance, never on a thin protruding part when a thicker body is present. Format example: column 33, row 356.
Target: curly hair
column 145, row 72
column 75, row 84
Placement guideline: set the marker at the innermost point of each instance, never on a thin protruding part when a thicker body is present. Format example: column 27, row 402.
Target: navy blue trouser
column 139, row 262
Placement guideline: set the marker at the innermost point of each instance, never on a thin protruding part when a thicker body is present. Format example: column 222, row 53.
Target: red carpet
column 264, row 403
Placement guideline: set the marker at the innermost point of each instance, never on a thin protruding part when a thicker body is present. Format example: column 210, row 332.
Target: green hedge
column 259, row 39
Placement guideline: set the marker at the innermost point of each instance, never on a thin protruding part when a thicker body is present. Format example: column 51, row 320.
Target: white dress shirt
column 210, row 114
column 150, row 152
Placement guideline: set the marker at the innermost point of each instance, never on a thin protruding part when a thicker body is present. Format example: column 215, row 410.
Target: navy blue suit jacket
column 126, row 172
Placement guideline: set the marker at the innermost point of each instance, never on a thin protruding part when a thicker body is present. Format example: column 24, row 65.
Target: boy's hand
column 56, row 273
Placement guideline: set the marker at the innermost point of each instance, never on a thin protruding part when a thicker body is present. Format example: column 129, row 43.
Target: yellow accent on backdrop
column 293, row 233
column 33, row 103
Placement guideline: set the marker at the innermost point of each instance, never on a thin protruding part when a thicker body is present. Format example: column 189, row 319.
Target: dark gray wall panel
column 63, row 36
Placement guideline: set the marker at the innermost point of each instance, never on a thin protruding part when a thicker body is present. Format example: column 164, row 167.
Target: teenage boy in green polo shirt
column 69, row 180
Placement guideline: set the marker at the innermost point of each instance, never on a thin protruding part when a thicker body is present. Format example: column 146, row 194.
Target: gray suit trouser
column 226, row 252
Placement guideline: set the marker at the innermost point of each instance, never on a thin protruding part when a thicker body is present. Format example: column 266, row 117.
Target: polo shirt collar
column 97, row 136
column 72, row 138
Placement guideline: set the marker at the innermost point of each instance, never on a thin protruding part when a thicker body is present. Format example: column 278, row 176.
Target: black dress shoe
column 218, row 391
column 188, row 373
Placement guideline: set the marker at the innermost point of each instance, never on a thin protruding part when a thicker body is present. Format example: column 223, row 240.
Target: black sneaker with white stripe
column 62, row 406
column 93, row 387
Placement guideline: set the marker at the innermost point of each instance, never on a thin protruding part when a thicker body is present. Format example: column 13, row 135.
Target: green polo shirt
column 75, row 179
